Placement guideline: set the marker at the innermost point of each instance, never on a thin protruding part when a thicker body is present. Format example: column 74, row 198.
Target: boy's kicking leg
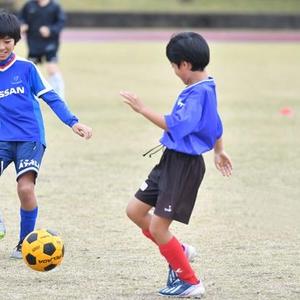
column 157, row 229
column 187, row 283
column 138, row 212
column 28, row 210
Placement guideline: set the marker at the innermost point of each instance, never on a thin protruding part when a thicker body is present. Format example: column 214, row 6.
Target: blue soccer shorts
column 26, row 156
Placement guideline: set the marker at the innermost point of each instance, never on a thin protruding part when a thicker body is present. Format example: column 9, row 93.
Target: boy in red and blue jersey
column 22, row 134
column 191, row 129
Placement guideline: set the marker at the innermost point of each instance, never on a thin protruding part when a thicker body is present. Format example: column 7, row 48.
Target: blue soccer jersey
column 194, row 124
column 21, row 86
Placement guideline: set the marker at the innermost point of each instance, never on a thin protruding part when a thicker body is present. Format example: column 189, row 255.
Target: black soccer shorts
column 173, row 184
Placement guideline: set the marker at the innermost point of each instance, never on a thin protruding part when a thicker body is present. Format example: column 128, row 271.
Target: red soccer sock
column 175, row 256
column 147, row 233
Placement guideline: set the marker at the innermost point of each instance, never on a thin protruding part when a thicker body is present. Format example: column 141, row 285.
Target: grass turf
column 246, row 228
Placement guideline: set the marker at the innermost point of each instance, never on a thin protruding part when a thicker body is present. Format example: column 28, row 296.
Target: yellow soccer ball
column 42, row 250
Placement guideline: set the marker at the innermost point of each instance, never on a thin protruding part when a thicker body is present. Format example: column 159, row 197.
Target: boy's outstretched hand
column 82, row 130
column 223, row 163
column 133, row 101
column 138, row 106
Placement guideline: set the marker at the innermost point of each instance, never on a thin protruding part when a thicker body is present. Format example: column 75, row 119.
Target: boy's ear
column 186, row 65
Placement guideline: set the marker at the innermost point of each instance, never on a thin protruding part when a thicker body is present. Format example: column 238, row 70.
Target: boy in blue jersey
column 192, row 128
column 22, row 137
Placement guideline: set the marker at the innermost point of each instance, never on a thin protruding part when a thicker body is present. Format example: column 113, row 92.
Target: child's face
column 181, row 71
column 7, row 45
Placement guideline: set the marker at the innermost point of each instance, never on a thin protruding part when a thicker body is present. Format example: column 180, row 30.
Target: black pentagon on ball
column 32, row 237
column 50, row 267
column 30, row 259
column 49, row 249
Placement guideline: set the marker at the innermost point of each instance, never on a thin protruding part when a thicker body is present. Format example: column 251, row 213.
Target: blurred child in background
column 43, row 21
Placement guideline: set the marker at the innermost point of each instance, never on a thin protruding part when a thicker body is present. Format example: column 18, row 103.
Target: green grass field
column 287, row 6
column 245, row 228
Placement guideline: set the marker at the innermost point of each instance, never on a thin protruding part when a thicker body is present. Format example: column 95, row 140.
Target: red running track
column 108, row 35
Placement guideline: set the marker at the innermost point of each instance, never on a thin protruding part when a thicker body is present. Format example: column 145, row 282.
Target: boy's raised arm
column 138, row 106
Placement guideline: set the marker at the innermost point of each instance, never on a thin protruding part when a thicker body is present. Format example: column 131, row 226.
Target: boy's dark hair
column 9, row 26
column 190, row 47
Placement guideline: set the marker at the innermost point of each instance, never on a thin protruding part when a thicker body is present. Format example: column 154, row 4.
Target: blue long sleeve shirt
column 21, row 88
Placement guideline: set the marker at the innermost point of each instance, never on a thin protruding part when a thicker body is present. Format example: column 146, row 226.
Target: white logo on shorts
column 24, row 163
column 144, row 186
column 169, row 209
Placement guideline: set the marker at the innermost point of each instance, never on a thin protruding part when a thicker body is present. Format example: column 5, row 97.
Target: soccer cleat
column 183, row 289
column 17, row 252
column 2, row 228
column 190, row 252
column 172, row 276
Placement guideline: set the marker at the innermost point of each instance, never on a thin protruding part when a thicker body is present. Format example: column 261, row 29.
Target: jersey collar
column 209, row 79
column 5, row 64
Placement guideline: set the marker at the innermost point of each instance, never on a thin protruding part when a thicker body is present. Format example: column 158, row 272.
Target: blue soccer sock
column 28, row 219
